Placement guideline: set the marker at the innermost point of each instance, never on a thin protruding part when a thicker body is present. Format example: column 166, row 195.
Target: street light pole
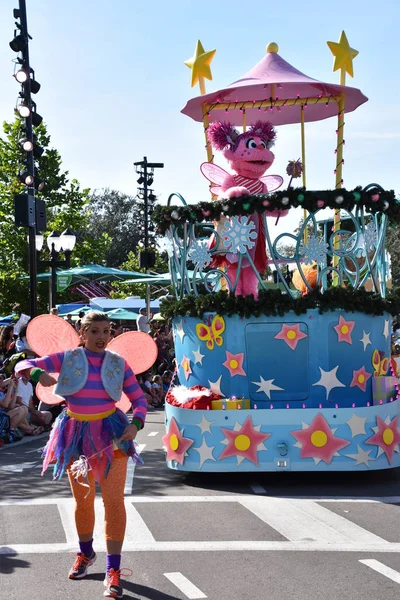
column 144, row 166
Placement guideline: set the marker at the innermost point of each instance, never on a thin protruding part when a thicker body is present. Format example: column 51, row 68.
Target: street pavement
column 275, row 536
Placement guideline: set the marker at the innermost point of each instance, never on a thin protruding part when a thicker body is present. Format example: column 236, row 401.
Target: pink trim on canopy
column 288, row 82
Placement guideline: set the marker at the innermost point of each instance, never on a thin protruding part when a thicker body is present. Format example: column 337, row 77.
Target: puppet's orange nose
column 261, row 147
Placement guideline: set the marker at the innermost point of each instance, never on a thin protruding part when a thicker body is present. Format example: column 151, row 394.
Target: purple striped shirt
column 93, row 398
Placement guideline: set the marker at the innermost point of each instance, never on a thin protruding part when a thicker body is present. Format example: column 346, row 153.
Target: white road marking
column 153, row 433
column 212, row 498
column 185, row 586
column 68, row 522
column 305, row 520
column 131, row 472
column 18, row 468
column 137, row 529
column 225, row 546
column 382, row 569
column 258, row 489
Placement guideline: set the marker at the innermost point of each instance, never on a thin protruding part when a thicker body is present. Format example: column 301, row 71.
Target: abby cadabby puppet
column 249, row 156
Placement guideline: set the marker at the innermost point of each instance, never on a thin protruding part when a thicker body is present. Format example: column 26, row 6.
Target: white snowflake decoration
column 167, row 246
column 368, row 240
column 199, row 254
column 238, row 234
column 315, row 251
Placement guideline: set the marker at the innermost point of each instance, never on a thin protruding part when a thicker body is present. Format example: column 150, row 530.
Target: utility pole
column 29, row 212
column 147, row 256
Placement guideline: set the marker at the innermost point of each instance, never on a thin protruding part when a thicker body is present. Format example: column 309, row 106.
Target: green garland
column 273, row 303
column 374, row 200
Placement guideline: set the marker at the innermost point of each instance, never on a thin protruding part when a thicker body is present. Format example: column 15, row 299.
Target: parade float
column 292, row 375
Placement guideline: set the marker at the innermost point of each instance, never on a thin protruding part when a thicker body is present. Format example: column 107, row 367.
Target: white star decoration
column 386, row 329
column 357, row 425
column 198, row 356
column 365, row 340
column 362, row 457
column 205, row 452
column 179, row 330
column 266, row 386
column 215, row 386
column 329, row 380
column 205, row 425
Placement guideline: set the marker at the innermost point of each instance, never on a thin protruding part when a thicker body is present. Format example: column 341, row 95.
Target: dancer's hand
column 47, row 380
column 130, row 433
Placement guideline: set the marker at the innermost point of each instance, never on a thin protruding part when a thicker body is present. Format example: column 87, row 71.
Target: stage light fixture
column 26, row 145
column 39, row 184
column 35, row 86
column 24, row 110
column 37, row 151
column 21, row 75
column 150, row 180
column 140, row 180
column 36, row 119
column 26, row 178
column 18, row 43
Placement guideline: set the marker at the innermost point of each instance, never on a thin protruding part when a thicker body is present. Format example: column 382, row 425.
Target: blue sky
column 114, row 81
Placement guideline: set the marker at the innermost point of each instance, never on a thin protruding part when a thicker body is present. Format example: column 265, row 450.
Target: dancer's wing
column 273, row 182
column 47, row 334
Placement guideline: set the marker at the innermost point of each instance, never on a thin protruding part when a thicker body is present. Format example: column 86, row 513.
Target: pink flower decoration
column 291, row 334
column 176, row 444
column 387, row 437
column 360, row 378
column 185, row 364
column 344, row 329
column 234, row 364
column 243, row 442
column 318, row 440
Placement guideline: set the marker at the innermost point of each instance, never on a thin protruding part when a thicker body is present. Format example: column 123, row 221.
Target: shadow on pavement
column 10, row 563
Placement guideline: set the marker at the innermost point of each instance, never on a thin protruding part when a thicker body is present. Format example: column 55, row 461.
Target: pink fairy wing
column 138, row 349
column 47, row 334
column 213, row 173
column 273, row 182
column 46, row 394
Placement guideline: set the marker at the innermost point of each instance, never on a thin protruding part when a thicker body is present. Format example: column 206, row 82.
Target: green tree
column 119, row 216
column 66, row 207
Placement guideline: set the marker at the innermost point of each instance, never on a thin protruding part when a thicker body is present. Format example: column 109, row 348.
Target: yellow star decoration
column 200, row 64
column 343, row 54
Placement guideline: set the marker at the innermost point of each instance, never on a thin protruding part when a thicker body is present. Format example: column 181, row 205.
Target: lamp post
column 56, row 244
column 146, row 178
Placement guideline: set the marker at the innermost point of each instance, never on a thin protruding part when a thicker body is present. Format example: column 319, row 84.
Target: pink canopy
column 276, row 78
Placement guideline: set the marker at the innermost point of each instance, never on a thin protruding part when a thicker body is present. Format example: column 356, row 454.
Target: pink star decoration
column 291, row 334
column 344, row 329
column 234, row 363
column 318, row 441
column 360, row 378
column 243, row 442
column 387, row 437
column 185, row 363
column 176, row 444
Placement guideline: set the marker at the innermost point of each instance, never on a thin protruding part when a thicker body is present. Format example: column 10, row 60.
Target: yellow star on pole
column 200, row 64
column 343, row 54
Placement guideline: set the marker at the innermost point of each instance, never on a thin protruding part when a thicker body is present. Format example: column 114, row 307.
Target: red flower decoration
column 243, row 442
column 234, row 363
column 318, row 441
column 176, row 444
column 360, row 378
column 344, row 329
column 291, row 334
column 386, row 437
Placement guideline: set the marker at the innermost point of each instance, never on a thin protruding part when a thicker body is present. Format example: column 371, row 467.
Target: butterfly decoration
column 211, row 333
column 216, row 175
column 380, row 363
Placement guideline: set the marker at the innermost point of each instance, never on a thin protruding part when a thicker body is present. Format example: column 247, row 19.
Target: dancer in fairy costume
column 91, row 380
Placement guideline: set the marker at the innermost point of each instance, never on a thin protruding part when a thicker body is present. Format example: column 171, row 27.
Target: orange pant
column 112, row 491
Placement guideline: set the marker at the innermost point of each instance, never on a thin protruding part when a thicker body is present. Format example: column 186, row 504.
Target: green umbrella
column 120, row 314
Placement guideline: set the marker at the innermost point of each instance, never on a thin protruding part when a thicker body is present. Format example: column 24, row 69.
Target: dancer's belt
column 96, row 417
